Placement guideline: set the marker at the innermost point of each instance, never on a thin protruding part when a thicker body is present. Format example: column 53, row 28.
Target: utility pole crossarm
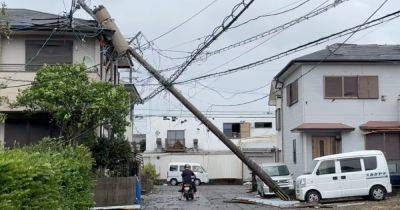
column 122, row 47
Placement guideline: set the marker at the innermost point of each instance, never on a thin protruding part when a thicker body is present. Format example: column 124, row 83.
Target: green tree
column 77, row 105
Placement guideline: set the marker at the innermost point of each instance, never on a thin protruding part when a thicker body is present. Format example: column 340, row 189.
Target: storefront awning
column 381, row 126
column 323, row 127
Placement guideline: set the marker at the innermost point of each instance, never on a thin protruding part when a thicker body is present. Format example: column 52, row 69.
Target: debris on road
column 276, row 202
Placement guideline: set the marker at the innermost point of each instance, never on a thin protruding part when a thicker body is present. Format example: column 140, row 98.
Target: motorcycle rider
column 188, row 177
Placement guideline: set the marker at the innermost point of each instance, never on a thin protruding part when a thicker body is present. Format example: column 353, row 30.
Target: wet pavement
column 208, row 197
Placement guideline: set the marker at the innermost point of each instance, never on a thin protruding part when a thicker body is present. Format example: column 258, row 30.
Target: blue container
column 138, row 191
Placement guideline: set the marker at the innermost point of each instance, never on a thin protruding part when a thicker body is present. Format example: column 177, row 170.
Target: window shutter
column 368, row 87
column 333, row 87
column 288, row 94
column 244, row 130
column 350, row 87
column 278, row 120
column 294, row 92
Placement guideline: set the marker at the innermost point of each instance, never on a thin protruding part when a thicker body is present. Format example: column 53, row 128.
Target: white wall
column 195, row 130
column 221, row 165
column 313, row 108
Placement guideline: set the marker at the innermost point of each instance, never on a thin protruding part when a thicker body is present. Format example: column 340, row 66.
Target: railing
column 175, row 145
column 232, row 135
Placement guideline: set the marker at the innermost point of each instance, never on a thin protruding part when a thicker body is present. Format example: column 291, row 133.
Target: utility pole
column 122, row 47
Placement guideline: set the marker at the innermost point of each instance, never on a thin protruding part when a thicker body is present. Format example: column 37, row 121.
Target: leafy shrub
column 46, row 176
column 148, row 177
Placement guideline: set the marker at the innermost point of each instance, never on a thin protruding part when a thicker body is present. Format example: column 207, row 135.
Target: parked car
column 279, row 172
column 361, row 173
column 175, row 171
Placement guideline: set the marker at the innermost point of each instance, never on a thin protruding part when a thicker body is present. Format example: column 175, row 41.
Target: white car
column 174, row 173
column 362, row 173
column 279, row 172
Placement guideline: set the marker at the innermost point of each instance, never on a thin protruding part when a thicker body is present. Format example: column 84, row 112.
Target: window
column 292, row 93
column 173, row 168
column 263, row 124
column 176, row 134
column 278, row 119
column 370, row 163
column 281, row 170
column 294, row 151
column 388, row 143
column 232, row 130
column 326, row 167
column 363, row 87
column 350, row 165
column 38, row 53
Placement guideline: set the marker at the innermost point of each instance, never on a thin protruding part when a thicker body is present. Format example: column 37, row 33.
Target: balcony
column 175, row 145
column 232, row 135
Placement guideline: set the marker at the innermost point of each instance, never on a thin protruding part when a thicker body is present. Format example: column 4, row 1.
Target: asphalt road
column 208, row 197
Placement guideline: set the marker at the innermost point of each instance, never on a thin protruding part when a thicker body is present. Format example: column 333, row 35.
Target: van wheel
column 197, row 182
column 173, row 182
column 377, row 193
column 313, row 196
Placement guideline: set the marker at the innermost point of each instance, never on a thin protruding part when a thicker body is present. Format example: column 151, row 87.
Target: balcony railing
column 175, row 145
column 232, row 135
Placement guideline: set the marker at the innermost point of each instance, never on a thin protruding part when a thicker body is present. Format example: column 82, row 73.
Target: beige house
column 39, row 38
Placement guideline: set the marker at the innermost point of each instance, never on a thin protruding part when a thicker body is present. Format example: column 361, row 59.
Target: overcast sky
column 154, row 17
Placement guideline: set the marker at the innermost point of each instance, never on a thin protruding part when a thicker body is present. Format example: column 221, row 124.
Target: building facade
column 328, row 103
column 39, row 38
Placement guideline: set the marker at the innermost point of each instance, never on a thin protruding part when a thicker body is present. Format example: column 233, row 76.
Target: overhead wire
column 316, row 42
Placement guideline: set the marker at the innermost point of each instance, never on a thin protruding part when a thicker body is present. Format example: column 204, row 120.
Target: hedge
column 49, row 175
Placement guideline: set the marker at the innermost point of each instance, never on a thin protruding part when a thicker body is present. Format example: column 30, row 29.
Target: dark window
column 362, row 87
column 176, row 134
column 278, row 119
column 321, row 148
column 181, row 168
column 39, row 52
column 173, row 168
column 350, row 165
column 263, row 124
column 326, row 167
column 333, row 87
column 350, row 87
column 232, row 130
column 292, row 94
column 370, row 163
column 294, row 151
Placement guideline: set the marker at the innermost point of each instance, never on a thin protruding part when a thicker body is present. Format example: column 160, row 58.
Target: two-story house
column 39, row 38
column 185, row 139
column 331, row 101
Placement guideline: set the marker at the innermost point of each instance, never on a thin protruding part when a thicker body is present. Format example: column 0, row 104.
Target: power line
column 319, row 41
column 185, row 21
column 272, row 14
column 236, row 12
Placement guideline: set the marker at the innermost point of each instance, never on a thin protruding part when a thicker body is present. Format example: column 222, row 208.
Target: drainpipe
column 398, row 108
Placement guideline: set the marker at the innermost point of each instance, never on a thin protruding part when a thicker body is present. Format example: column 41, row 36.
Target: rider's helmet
column 187, row 166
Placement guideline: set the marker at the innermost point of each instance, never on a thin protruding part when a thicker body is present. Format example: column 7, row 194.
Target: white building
column 185, row 139
column 328, row 103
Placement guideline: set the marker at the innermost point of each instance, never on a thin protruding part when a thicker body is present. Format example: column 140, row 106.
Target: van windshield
column 281, row 170
column 311, row 169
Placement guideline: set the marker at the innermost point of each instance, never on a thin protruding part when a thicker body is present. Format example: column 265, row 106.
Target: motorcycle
column 188, row 192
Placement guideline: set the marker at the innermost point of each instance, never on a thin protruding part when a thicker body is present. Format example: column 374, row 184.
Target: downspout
column 398, row 108
column 280, row 88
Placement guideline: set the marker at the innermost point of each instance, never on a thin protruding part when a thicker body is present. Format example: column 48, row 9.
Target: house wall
column 13, row 52
column 313, row 108
column 157, row 128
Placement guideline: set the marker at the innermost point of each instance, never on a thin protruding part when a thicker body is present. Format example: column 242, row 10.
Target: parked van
column 278, row 172
column 175, row 171
column 362, row 173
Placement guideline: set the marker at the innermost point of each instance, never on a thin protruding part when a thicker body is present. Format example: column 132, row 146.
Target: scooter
column 188, row 192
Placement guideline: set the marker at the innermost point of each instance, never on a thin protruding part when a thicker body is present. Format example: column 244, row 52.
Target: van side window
column 181, row 168
column 197, row 169
column 173, row 168
column 370, row 163
column 350, row 165
column 326, row 167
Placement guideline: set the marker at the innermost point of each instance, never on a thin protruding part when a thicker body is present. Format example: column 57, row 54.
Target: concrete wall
column 195, row 130
column 219, row 165
column 313, row 108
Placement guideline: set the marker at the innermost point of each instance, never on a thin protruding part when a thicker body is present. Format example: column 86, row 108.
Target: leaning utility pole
column 122, row 47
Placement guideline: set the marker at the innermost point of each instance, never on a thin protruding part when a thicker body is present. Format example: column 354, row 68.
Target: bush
column 46, row 176
column 148, row 177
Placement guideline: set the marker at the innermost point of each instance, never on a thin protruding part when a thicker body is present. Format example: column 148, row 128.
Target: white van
column 278, row 172
column 361, row 173
column 175, row 171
